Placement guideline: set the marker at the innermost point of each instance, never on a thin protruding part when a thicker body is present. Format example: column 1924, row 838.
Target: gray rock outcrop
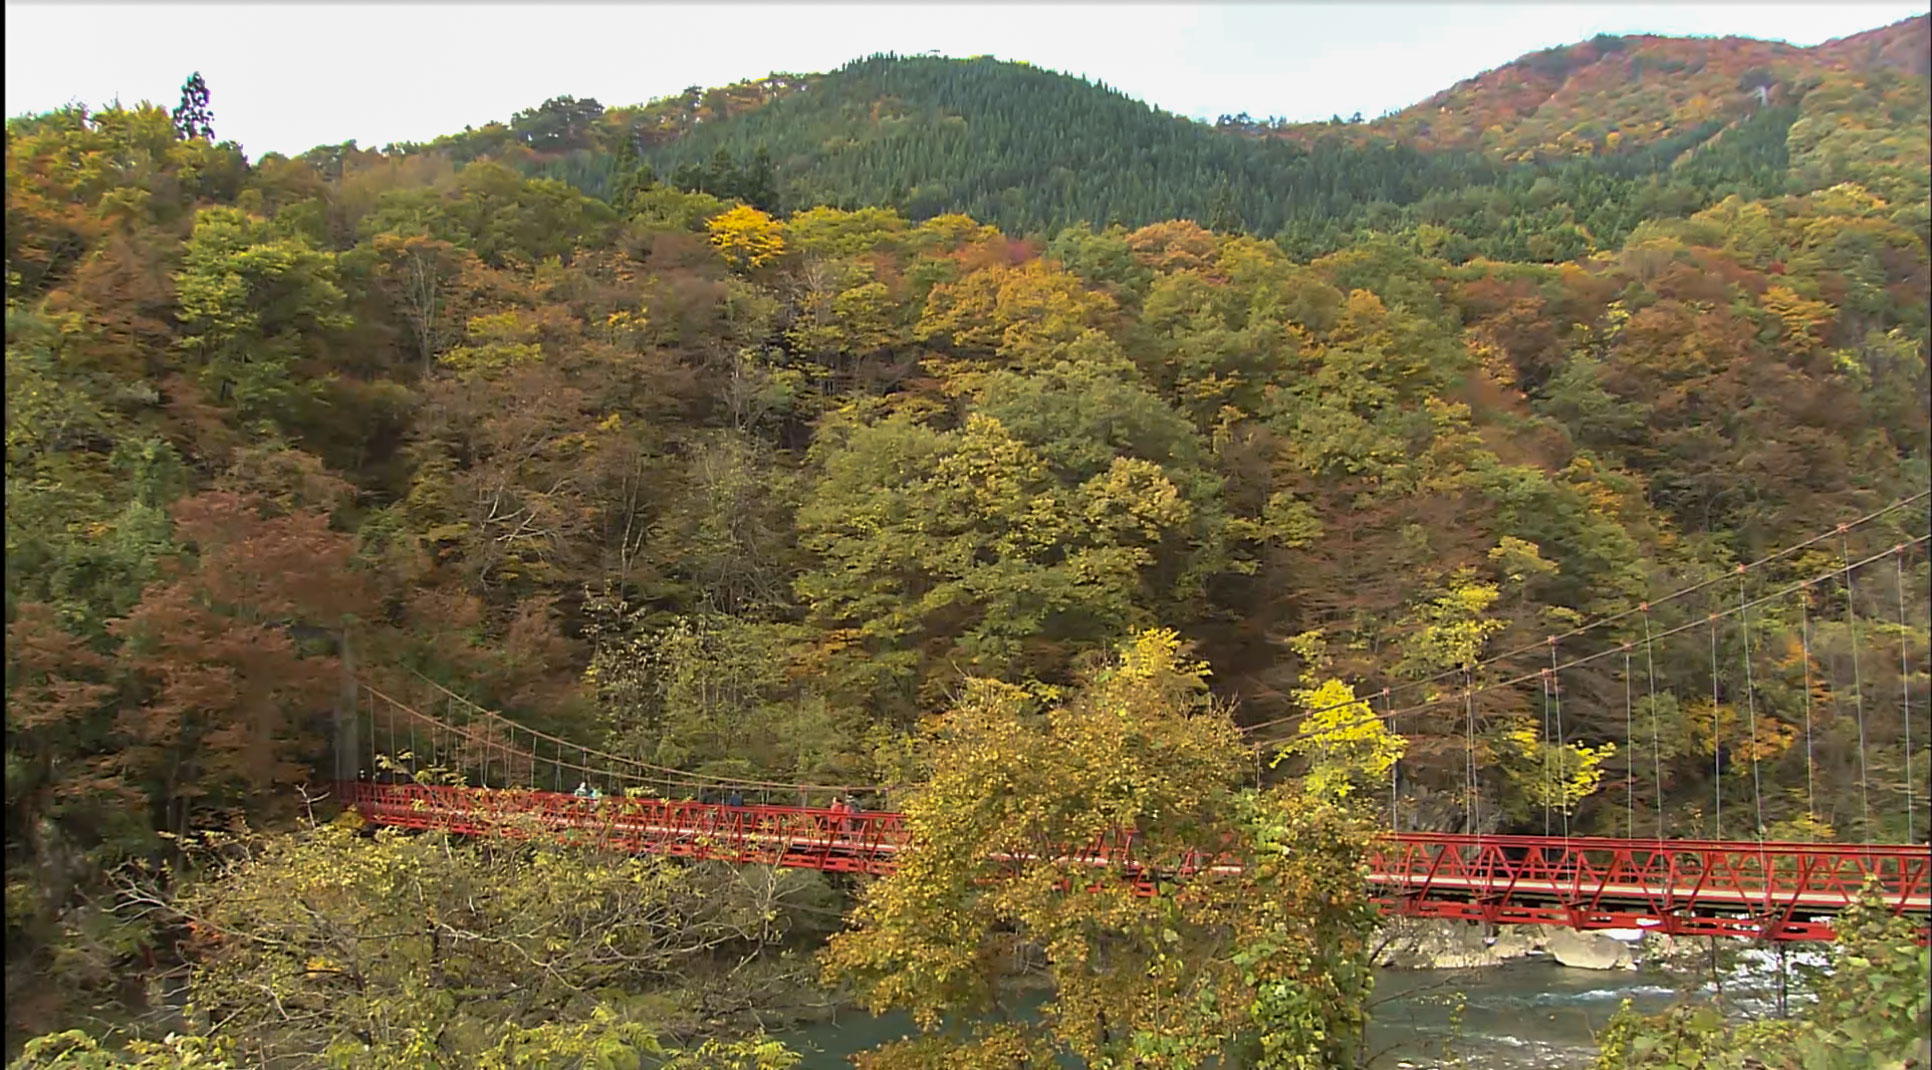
column 1589, row 951
column 1424, row 944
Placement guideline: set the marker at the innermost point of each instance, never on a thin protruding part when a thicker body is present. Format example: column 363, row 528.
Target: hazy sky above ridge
column 288, row 77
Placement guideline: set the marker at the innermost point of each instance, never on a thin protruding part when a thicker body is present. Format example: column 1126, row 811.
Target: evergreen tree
column 192, row 119
column 720, row 176
column 629, row 174
column 758, row 182
column 1222, row 217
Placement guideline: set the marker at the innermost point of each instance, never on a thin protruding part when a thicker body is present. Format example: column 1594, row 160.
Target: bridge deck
column 1781, row 891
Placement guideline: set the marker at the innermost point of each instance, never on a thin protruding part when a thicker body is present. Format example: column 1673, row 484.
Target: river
column 1533, row 1015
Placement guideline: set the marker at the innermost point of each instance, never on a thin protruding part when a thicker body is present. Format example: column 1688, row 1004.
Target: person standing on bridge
column 736, row 798
column 838, row 814
column 583, row 790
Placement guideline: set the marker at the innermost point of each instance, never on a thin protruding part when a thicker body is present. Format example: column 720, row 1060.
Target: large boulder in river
column 1515, row 942
column 1589, row 951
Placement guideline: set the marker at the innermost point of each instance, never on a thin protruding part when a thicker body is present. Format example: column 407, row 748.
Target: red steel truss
column 1775, row 891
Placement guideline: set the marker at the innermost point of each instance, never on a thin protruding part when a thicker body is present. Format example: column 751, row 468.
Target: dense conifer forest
column 746, row 431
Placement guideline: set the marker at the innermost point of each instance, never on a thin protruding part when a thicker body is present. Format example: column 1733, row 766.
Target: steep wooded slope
column 1555, row 156
column 1611, row 94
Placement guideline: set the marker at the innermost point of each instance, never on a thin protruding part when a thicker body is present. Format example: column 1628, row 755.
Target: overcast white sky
column 286, row 78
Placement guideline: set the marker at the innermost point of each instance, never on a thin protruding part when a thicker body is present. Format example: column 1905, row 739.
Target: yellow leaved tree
column 327, row 947
column 747, row 237
column 1027, row 314
column 1259, row 963
column 493, row 344
column 1549, row 775
column 1745, row 738
column 1346, row 748
column 1451, row 629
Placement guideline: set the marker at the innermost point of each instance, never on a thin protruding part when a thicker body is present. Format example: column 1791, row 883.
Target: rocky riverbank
column 1426, row 944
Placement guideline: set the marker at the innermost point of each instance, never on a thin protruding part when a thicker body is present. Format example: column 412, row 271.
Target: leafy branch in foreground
column 326, row 948
column 1873, row 1009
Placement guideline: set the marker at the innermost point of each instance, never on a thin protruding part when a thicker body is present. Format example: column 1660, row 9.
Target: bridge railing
column 1769, row 866
column 1776, row 890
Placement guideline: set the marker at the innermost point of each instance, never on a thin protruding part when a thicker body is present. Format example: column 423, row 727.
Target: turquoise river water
column 1533, row 1015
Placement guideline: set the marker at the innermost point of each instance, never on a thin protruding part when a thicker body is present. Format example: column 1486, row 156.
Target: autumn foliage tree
column 1265, row 965
column 322, row 947
column 747, row 237
column 207, row 712
column 223, row 685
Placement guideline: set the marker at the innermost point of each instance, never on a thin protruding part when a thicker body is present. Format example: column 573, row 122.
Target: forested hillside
column 1555, row 156
column 752, row 488
column 1613, row 94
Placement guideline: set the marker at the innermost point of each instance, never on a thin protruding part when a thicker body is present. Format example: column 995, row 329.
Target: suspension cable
column 372, row 738
column 1630, row 763
column 1469, row 742
column 1717, row 744
column 1585, row 659
column 474, row 734
column 1858, row 688
column 1656, row 736
column 473, row 712
column 1394, row 766
column 1804, row 651
column 1905, row 690
column 1590, row 626
column 1751, row 703
column 1549, row 779
column 639, row 769
column 1562, row 755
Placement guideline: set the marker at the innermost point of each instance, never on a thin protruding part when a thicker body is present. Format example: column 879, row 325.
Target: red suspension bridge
column 1825, row 651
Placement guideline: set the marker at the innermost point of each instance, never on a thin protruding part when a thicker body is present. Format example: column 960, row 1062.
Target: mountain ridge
column 1553, row 156
column 1904, row 47
column 1656, row 84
